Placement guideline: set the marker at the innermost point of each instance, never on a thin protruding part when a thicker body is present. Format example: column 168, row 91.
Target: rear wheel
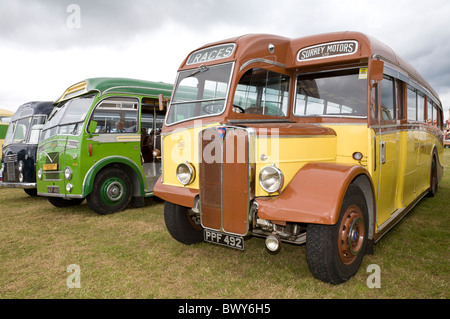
column 182, row 224
column 433, row 178
column 111, row 193
column 335, row 252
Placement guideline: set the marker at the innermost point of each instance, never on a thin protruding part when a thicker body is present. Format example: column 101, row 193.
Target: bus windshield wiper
column 198, row 70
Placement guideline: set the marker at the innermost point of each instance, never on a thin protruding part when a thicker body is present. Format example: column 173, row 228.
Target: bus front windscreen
column 68, row 119
column 200, row 92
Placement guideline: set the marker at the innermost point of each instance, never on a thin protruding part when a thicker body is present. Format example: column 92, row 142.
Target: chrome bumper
column 17, row 185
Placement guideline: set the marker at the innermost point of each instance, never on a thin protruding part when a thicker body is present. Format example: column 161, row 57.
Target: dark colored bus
column 20, row 146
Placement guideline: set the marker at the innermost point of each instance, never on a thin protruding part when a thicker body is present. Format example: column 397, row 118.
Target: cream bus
column 326, row 140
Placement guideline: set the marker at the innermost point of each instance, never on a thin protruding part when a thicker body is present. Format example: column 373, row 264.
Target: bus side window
column 116, row 115
column 412, row 104
column 429, row 111
column 399, row 85
column 420, row 107
column 387, row 99
column 438, row 118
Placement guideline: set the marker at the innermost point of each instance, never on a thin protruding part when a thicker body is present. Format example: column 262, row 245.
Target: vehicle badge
column 221, row 132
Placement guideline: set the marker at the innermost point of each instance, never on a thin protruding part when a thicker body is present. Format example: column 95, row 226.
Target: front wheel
column 182, row 224
column 31, row 191
column 61, row 202
column 335, row 252
column 111, row 193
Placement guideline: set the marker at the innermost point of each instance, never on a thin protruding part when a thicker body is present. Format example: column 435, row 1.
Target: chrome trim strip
column 261, row 60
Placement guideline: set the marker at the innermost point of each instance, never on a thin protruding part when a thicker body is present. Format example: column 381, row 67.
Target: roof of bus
column 33, row 108
column 105, row 85
column 6, row 113
column 252, row 47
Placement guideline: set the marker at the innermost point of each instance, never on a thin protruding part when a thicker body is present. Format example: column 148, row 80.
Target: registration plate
column 50, row 167
column 228, row 240
column 53, row 189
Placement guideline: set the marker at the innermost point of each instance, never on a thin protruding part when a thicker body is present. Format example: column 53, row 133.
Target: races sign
column 327, row 50
column 218, row 52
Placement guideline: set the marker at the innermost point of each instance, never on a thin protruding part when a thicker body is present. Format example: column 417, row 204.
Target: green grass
column 131, row 255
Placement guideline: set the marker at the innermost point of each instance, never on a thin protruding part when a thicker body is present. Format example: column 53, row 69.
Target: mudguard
column 315, row 194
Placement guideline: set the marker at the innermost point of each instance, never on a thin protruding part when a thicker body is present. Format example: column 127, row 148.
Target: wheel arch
column 316, row 193
column 364, row 183
column 438, row 156
column 123, row 163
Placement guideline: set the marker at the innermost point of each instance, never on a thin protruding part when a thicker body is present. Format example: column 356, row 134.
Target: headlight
column 39, row 173
column 68, row 173
column 20, row 166
column 21, row 177
column 69, row 188
column 185, row 173
column 271, row 179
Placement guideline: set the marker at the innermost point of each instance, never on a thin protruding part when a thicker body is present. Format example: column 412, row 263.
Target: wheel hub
column 114, row 191
column 351, row 234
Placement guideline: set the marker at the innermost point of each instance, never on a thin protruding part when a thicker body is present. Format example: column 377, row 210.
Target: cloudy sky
column 47, row 45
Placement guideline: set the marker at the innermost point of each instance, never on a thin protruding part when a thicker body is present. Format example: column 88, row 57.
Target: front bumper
column 17, row 185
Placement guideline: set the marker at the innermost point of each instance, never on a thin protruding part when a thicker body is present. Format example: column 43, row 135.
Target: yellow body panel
column 289, row 154
column 179, row 147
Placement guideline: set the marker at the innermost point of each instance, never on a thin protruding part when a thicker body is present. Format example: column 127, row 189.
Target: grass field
column 131, row 255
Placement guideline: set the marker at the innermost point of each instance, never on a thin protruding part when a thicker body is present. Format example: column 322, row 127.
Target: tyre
column 61, row 202
column 111, row 193
column 335, row 252
column 31, row 191
column 181, row 224
column 433, row 178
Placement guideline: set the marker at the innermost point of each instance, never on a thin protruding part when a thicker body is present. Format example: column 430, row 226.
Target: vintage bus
column 322, row 140
column 5, row 118
column 20, row 146
column 102, row 143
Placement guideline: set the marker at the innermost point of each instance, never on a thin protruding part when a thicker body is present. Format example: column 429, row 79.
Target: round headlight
column 39, row 173
column 68, row 173
column 185, row 173
column 20, row 166
column 271, row 179
column 69, row 188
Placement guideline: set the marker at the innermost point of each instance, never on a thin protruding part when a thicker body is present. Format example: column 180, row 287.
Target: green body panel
column 87, row 154
column 3, row 130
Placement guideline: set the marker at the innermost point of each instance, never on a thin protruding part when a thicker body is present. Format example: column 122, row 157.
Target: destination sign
column 327, row 50
column 218, row 52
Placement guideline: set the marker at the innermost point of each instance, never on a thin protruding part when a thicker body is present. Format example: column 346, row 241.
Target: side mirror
column 377, row 69
column 92, row 127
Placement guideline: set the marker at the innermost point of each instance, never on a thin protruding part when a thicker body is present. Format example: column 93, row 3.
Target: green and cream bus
column 102, row 144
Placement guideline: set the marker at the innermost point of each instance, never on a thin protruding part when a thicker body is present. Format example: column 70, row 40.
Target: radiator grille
column 224, row 173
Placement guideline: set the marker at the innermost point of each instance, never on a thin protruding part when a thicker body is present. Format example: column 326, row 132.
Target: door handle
column 383, row 152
